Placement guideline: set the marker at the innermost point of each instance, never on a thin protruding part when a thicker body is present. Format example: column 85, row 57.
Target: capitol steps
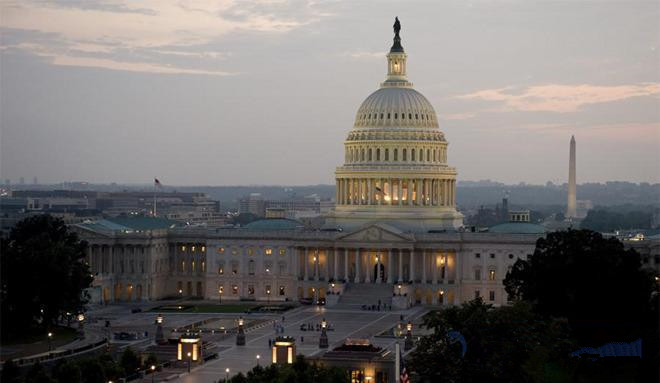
column 356, row 295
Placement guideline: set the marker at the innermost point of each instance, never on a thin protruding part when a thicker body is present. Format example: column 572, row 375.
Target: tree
column 67, row 371
column 92, row 371
column 505, row 344
column 10, row 372
column 43, row 274
column 590, row 280
column 130, row 361
column 300, row 371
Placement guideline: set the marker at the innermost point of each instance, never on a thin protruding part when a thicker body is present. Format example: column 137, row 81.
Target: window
column 282, row 292
column 250, row 251
column 416, row 116
column 183, row 248
column 388, row 116
column 192, row 268
column 378, row 154
column 491, row 275
column 221, row 270
column 370, row 151
column 357, row 376
column 491, row 295
column 234, row 251
column 396, row 115
column 412, row 155
column 234, row 268
column 203, row 267
column 282, row 251
column 477, row 255
column 477, row 274
column 183, row 266
column 404, row 155
column 269, row 251
column 192, row 249
column 250, row 289
column 396, row 154
column 410, row 116
column 251, row 267
column 221, row 250
column 267, row 290
column 203, row 249
column 234, row 289
column 477, row 294
column 510, row 256
column 492, row 256
column 387, row 154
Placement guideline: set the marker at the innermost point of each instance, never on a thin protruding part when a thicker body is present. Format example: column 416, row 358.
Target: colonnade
column 396, row 191
column 367, row 265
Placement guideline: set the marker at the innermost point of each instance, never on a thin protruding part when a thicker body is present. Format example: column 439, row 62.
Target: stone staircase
column 356, row 295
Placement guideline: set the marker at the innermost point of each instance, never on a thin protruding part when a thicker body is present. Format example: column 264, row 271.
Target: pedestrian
column 270, row 343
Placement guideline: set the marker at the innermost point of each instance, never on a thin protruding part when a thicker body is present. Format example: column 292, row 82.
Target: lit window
column 183, row 248
column 234, row 289
column 491, row 275
column 250, row 251
column 192, row 249
column 234, row 252
column 183, row 266
column 221, row 270
column 193, row 266
column 282, row 251
column 221, row 250
column 269, row 251
column 250, row 290
column 203, row 249
column 203, row 267
column 281, row 290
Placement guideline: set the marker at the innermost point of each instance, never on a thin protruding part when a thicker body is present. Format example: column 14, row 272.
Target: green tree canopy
column 300, row 371
column 43, row 274
column 506, row 344
column 588, row 279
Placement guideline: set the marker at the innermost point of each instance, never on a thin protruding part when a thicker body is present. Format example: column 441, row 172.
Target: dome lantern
column 396, row 62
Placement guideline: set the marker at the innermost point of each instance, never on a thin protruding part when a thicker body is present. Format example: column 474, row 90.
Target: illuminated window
column 221, row 250
column 183, row 248
column 234, row 289
column 282, row 251
column 491, row 275
column 183, row 266
column 234, row 252
column 192, row 249
column 203, row 267
column 250, row 289
column 221, row 270
column 281, row 290
column 250, row 251
column 203, row 249
column 193, row 266
column 269, row 251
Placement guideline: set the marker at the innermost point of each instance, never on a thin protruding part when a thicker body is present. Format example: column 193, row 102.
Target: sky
column 264, row 92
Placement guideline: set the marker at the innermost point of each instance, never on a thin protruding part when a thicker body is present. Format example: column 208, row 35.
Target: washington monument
column 572, row 187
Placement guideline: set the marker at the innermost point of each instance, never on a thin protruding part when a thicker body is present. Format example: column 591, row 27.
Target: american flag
column 404, row 373
column 157, row 183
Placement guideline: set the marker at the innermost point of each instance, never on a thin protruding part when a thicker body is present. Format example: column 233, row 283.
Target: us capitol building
column 395, row 234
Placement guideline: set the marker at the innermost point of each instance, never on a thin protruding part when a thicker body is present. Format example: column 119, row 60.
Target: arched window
column 405, row 155
column 396, row 154
column 388, row 116
column 381, row 116
column 396, row 116
column 378, row 154
column 428, row 154
column 410, row 116
column 251, row 267
column 435, row 154
column 361, row 154
column 370, row 154
column 403, row 116
column 387, row 154
column 412, row 155
column 416, row 116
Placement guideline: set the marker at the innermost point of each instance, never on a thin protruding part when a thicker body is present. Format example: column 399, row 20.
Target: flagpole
column 154, row 197
column 397, row 373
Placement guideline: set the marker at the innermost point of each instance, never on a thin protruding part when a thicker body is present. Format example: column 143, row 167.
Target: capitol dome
column 395, row 169
column 396, row 107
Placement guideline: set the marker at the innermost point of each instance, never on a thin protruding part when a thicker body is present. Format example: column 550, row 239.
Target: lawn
column 36, row 343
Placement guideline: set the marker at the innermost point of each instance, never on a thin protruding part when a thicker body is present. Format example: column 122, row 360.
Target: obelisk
column 572, row 187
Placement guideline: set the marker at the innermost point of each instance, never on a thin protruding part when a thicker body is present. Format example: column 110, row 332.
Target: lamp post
column 189, row 355
column 399, row 287
column 268, row 294
column 50, row 337
column 408, row 344
column 323, row 339
column 240, row 336
column 227, row 374
column 153, row 373
column 160, row 338
column 258, row 357
column 220, row 294
column 81, row 331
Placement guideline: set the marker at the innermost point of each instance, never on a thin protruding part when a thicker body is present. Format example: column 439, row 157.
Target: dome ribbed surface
column 397, row 107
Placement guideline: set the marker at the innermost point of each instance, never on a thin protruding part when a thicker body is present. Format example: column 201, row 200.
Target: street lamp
column 153, row 373
column 399, row 286
column 220, row 291
column 189, row 360
column 227, row 372
column 408, row 343
column 323, row 339
column 268, row 293
column 50, row 336
column 258, row 357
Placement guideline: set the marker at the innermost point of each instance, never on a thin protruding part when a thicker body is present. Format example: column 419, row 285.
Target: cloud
column 130, row 66
column 123, row 31
column 363, row 55
column 560, row 98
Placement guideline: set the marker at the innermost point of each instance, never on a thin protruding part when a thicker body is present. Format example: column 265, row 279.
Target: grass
column 36, row 342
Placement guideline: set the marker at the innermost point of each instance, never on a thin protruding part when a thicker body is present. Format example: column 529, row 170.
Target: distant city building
column 519, row 216
column 571, row 209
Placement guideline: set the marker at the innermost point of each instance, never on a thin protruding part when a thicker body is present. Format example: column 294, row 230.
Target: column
column 446, row 266
column 357, row 265
column 369, row 191
column 445, row 193
column 367, row 278
column 346, row 265
column 418, row 189
column 337, row 187
column 434, row 262
column 389, row 265
column 424, row 266
column 453, row 193
column 409, row 191
column 378, row 276
column 382, row 191
column 335, row 275
column 306, row 262
column 399, row 191
column 412, row 265
column 317, row 264
column 389, row 191
column 400, row 265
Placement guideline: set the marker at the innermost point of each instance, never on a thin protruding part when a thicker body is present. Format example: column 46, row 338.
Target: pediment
column 376, row 233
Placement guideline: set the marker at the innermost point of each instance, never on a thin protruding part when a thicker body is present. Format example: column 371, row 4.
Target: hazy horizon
column 262, row 93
